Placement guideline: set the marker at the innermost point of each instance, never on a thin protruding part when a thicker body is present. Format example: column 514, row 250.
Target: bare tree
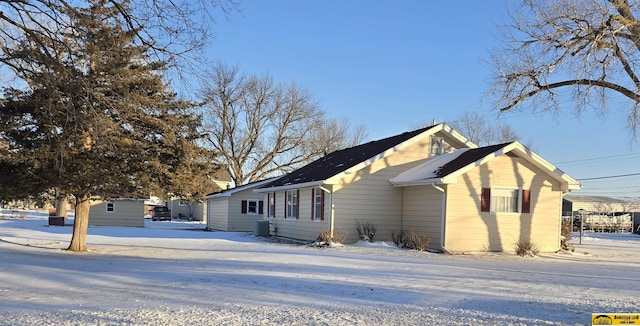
column 587, row 49
column 174, row 30
column 479, row 130
column 332, row 134
column 260, row 129
column 482, row 132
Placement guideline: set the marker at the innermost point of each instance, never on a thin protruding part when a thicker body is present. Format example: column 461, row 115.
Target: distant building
column 602, row 205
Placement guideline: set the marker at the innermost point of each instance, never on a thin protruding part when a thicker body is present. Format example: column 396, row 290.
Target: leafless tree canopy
column 482, row 132
column 173, row 29
column 261, row 129
column 588, row 49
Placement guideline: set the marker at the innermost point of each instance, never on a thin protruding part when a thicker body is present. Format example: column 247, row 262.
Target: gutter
column 291, row 186
column 331, row 216
column 443, row 216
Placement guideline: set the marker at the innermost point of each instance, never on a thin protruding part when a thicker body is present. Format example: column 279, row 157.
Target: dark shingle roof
column 466, row 158
column 341, row 160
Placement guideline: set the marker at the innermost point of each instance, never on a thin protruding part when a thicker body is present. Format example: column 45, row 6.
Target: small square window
column 111, row 207
column 437, row 146
column 252, row 207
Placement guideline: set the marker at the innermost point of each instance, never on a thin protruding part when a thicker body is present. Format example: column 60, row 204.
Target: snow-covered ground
column 174, row 273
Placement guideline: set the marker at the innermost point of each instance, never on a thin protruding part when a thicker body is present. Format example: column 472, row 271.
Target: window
column 505, row 200
column 271, row 202
column 291, row 204
column 111, row 207
column 437, row 146
column 252, row 207
column 181, row 203
column 317, row 204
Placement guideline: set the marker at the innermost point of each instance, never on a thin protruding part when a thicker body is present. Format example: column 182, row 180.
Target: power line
column 597, row 158
column 609, row 177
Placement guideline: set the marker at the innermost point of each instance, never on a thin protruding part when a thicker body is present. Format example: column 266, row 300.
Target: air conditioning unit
column 262, row 228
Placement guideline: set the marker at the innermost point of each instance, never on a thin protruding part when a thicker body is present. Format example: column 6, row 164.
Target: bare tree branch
column 261, row 129
column 588, row 49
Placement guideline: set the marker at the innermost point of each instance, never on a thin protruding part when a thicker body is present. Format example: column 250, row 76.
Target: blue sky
column 392, row 65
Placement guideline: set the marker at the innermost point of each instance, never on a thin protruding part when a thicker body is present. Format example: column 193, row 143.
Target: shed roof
column 603, row 199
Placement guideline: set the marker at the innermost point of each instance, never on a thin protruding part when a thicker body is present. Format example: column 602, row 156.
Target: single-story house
column 236, row 209
column 432, row 181
column 117, row 212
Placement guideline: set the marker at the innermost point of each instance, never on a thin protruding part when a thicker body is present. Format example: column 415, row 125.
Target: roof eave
column 421, row 182
column 291, row 186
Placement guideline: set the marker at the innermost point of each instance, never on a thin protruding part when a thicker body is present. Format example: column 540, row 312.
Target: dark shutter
column 297, row 204
column 285, row 203
column 485, row 200
column 313, row 202
column 274, row 204
column 322, row 207
column 244, row 207
column 526, row 201
column 260, row 207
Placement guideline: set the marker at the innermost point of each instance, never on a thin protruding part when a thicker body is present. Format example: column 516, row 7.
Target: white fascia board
column 423, row 182
column 336, row 178
column 229, row 192
column 291, row 186
column 568, row 182
column 458, row 136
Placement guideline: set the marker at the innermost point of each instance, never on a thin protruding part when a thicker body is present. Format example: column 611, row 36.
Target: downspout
column 442, row 217
column 331, row 218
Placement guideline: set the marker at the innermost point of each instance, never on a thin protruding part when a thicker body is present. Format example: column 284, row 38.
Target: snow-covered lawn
column 174, row 273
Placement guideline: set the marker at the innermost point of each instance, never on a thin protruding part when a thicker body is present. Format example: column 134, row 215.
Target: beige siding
column 238, row 221
column 365, row 196
column 217, row 211
column 199, row 211
column 126, row 213
column 179, row 210
column 225, row 213
column 422, row 212
column 302, row 228
column 468, row 229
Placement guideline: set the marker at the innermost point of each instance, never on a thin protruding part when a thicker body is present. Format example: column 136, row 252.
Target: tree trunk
column 80, row 225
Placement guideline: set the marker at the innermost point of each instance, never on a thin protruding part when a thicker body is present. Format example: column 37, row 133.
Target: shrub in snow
column 366, row 231
column 525, row 248
column 410, row 240
column 325, row 239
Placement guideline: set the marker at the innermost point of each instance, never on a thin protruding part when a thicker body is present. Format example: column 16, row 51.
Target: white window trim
column 506, row 188
column 113, row 207
column 257, row 202
column 317, row 194
column 293, row 205
column 271, row 208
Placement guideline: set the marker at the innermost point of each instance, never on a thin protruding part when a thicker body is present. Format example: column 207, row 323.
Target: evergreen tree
column 99, row 121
